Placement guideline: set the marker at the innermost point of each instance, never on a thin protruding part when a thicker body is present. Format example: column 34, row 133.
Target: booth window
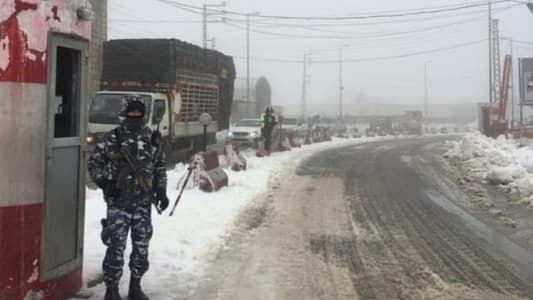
column 67, row 89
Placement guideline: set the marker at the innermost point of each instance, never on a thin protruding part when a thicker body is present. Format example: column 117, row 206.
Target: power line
column 364, row 59
column 427, row 8
column 275, row 23
column 152, row 21
column 321, row 27
column 362, row 45
column 232, row 23
column 235, row 23
column 524, row 47
column 372, row 35
column 456, row 46
column 368, row 59
column 405, row 13
column 523, row 42
column 314, row 27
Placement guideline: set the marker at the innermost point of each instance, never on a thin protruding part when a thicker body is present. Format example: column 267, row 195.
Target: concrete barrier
column 207, row 173
column 234, row 159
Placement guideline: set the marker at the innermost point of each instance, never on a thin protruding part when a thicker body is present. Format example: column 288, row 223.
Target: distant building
column 260, row 97
column 99, row 35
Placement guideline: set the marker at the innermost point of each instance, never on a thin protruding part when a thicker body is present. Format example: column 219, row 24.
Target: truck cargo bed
column 162, row 64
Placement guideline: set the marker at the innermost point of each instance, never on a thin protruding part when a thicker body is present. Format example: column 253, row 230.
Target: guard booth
column 43, row 83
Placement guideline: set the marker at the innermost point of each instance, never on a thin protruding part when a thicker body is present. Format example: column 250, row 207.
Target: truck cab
column 106, row 106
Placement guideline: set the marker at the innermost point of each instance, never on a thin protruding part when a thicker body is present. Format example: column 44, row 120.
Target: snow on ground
column 180, row 245
column 501, row 161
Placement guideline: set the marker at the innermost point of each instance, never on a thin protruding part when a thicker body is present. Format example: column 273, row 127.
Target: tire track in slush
column 369, row 202
column 331, row 247
column 384, row 248
column 492, row 272
column 425, row 227
column 386, row 199
column 482, row 269
column 357, row 221
column 407, row 253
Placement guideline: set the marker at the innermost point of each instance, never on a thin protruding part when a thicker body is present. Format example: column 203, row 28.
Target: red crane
column 504, row 92
column 496, row 113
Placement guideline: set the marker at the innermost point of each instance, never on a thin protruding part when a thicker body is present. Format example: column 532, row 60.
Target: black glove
column 101, row 183
column 161, row 199
column 111, row 189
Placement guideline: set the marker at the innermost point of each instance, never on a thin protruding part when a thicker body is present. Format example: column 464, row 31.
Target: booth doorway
column 62, row 242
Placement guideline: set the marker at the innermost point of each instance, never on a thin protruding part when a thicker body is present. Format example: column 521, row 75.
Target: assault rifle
column 143, row 181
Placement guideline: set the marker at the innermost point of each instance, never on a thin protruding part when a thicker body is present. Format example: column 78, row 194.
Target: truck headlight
column 253, row 134
column 90, row 140
column 230, row 134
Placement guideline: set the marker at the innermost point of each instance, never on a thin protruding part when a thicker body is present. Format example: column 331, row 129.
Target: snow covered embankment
column 181, row 244
column 504, row 162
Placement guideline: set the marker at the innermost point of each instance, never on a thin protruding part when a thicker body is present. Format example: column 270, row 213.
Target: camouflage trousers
column 115, row 235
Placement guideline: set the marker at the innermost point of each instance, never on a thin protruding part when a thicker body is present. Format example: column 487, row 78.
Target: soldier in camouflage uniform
column 129, row 196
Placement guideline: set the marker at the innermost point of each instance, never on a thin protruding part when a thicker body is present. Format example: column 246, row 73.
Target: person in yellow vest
column 268, row 123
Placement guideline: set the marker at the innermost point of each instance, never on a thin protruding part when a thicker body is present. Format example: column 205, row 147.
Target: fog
column 452, row 44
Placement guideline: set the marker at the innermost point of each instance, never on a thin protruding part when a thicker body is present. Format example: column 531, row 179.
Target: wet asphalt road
column 379, row 220
column 417, row 218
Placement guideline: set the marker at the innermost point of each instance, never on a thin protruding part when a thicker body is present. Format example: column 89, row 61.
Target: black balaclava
column 134, row 123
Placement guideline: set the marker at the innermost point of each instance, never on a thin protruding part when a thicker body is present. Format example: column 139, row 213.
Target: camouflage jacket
column 107, row 164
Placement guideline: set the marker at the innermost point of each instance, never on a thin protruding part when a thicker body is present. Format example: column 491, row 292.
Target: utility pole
column 303, row 108
column 341, row 88
column 512, row 85
column 248, row 65
column 204, row 32
column 491, row 99
column 426, row 117
column 206, row 15
column 496, row 67
column 248, row 100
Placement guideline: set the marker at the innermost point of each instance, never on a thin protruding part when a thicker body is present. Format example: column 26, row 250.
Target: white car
column 245, row 131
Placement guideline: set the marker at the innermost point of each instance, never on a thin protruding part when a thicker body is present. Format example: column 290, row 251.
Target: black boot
column 111, row 293
column 135, row 291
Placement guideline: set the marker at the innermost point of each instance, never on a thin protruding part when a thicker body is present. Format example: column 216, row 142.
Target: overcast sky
column 455, row 76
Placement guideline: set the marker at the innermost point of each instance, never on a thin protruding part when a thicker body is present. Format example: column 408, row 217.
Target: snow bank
column 181, row 244
column 500, row 161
